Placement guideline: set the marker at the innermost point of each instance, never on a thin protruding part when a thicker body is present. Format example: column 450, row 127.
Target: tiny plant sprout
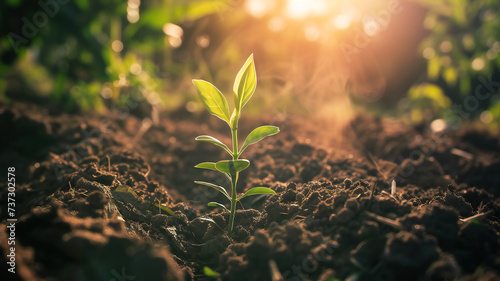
column 393, row 187
column 215, row 102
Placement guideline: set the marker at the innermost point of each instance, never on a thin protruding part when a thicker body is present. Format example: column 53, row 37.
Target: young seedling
column 215, row 102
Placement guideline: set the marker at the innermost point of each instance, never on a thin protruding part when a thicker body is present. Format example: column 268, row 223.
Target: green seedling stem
column 215, row 102
column 235, row 181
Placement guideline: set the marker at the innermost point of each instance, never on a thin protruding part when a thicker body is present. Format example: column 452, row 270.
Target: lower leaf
column 257, row 191
column 217, row 205
column 216, row 187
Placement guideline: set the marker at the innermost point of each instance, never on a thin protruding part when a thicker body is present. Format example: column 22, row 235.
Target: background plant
column 215, row 102
column 88, row 53
column 462, row 45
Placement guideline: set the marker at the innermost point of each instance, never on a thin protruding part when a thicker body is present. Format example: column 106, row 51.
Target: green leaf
column 210, row 272
column 258, row 134
column 207, row 165
column 217, row 205
column 213, row 99
column 214, row 186
column 207, row 219
column 165, row 209
column 231, row 167
column 256, row 191
column 126, row 189
column 215, row 141
column 245, row 83
column 211, row 166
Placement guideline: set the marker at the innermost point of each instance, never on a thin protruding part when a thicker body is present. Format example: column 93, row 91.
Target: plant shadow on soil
column 88, row 192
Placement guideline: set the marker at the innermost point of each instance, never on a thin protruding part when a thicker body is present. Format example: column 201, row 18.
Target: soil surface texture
column 112, row 197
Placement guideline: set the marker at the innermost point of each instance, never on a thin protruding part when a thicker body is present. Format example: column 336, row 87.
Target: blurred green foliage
column 463, row 45
column 72, row 52
column 428, row 100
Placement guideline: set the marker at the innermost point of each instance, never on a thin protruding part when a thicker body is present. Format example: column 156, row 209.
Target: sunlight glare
column 300, row 9
column 428, row 53
column 174, row 33
column 342, row 21
column 173, row 30
column 117, row 46
column 259, row 8
column 276, row 24
column 312, row 32
column 478, row 64
column 486, row 117
column 203, row 40
column 133, row 10
column 371, row 27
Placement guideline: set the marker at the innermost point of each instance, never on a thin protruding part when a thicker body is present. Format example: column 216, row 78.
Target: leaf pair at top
column 244, row 87
column 228, row 167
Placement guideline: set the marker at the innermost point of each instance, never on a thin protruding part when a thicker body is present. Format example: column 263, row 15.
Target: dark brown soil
column 87, row 185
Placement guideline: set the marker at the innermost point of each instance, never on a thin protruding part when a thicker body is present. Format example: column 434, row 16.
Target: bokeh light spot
column 486, row 117
column 371, row 27
column 438, row 125
column 175, row 42
column 259, row 8
column 428, row 53
column 106, row 93
column 173, row 30
column 446, row 46
column 276, row 24
column 135, row 69
column 191, row 106
column 342, row 21
column 134, row 4
column 300, row 9
column 133, row 10
column 312, row 32
column 468, row 42
column 203, row 40
column 491, row 54
column 445, row 61
column 478, row 64
column 117, row 46
column 133, row 17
